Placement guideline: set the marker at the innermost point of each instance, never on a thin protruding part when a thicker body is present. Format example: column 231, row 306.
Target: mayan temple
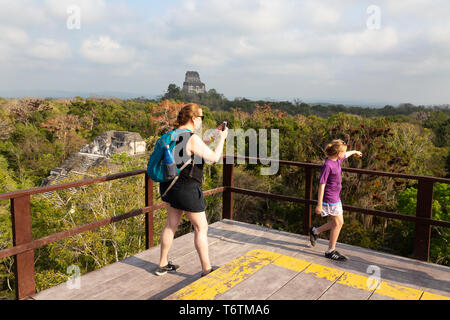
column 192, row 83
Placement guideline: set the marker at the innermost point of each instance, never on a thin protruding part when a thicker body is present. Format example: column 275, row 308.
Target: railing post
column 148, row 215
column 308, row 196
column 227, row 195
column 24, row 262
column 424, row 210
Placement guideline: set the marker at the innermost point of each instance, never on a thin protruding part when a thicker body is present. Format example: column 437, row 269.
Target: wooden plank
column 308, row 196
column 273, row 240
column 133, row 278
column 91, row 280
column 302, row 287
column 149, row 224
column 414, row 279
column 220, row 252
column 432, row 296
column 344, row 292
column 376, row 296
column 365, row 257
column 424, row 207
column 229, row 275
column 260, row 285
column 22, row 234
column 392, row 267
column 390, row 270
column 131, row 284
column 236, row 243
column 181, row 246
column 433, row 278
column 227, row 195
column 398, row 292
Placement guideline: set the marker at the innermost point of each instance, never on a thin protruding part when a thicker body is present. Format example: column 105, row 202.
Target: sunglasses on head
column 201, row 117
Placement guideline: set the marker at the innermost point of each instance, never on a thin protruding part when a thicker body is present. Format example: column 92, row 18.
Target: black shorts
column 186, row 196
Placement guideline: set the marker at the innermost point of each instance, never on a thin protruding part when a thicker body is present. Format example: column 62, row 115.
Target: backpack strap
column 175, row 179
column 178, row 131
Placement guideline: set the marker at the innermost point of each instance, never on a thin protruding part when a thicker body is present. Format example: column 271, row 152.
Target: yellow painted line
column 398, row 292
column 226, row 277
column 291, row 263
column 243, row 267
column 323, row 272
column 433, row 296
column 355, row 281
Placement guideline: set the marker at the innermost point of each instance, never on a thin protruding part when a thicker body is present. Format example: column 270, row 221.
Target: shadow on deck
column 257, row 263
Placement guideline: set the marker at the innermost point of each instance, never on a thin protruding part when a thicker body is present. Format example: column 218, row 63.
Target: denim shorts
column 331, row 209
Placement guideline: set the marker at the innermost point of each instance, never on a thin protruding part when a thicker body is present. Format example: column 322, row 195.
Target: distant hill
column 71, row 94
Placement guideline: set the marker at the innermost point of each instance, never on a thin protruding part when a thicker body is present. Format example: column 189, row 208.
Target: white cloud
column 439, row 34
column 50, row 49
column 205, row 60
column 419, row 8
column 322, row 14
column 12, row 41
column 237, row 43
column 367, row 41
column 104, row 50
column 13, row 35
column 22, row 13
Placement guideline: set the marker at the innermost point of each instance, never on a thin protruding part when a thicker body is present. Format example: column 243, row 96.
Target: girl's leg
column 338, row 222
column 325, row 227
column 168, row 233
column 198, row 220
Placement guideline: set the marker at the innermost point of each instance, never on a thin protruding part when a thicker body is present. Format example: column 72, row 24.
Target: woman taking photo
column 186, row 194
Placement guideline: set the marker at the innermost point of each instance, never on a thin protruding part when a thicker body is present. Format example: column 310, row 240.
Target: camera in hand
column 223, row 126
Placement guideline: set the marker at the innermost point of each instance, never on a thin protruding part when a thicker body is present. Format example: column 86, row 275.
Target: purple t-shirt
column 330, row 175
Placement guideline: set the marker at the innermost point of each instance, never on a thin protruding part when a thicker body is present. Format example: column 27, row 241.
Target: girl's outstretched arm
column 350, row 153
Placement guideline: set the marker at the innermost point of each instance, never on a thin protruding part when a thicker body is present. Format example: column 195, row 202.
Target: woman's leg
column 338, row 222
column 168, row 233
column 198, row 220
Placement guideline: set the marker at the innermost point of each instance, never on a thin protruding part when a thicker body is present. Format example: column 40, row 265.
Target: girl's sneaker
column 163, row 270
column 335, row 255
column 312, row 236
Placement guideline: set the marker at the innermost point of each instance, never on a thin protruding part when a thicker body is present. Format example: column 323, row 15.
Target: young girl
column 329, row 202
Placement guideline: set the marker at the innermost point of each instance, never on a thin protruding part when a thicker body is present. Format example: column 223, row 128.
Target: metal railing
column 24, row 245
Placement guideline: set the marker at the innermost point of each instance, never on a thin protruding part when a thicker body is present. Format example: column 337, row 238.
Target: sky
column 348, row 50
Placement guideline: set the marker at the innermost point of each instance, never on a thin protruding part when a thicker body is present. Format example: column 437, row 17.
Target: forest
column 37, row 135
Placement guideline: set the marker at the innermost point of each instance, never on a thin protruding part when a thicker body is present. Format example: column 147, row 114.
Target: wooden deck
column 260, row 263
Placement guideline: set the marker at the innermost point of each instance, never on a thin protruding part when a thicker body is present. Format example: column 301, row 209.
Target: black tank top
column 193, row 171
